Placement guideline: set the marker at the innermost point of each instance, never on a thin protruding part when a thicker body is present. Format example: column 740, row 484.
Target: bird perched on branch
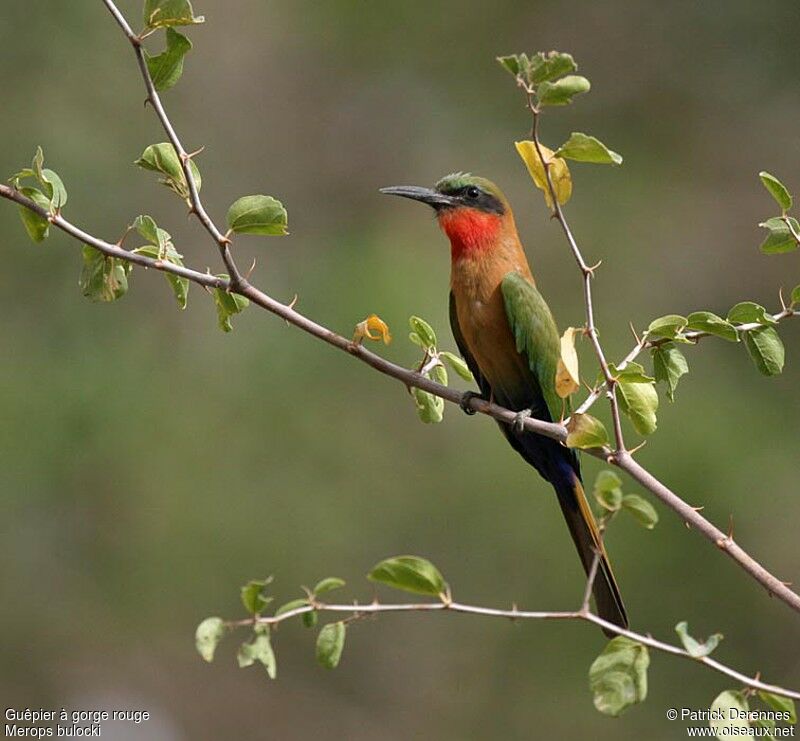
column 508, row 337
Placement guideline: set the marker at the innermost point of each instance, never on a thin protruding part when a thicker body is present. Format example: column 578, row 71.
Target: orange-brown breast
column 477, row 272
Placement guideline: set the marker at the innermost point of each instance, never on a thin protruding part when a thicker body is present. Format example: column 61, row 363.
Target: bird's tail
column 584, row 531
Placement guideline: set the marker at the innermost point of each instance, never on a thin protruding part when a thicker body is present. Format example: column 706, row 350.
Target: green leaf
column 161, row 248
column 54, row 189
column 429, row 407
column 669, row 364
column 327, row 585
column 768, row 724
column 310, row 618
column 562, row 91
column 291, row 605
column 694, row 648
column 411, row 574
column 161, row 13
column 253, row 597
column 766, row 350
column 631, row 373
column 457, row 364
column 148, row 229
column 257, row 215
column 227, row 305
column 208, row 635
column 545, row 67
column 159, row 238
column 618, row 676
column 776, row 189
column 163, row 159
column 166, row 68
column 640, row 402
column 608, row 490
column 727, row 724
column 706, row 321
column 584, row 148
column 781, row 238
column 424, row 331
column 667, row 326
column 439, row 374
column 780, row 703
column 259, row 649
column 510, row 63
column 641, row 510
column 37, row 226
column 747, row 312
column 585, row 431
column 330, row 643
column 103, row 278
column 25, row 172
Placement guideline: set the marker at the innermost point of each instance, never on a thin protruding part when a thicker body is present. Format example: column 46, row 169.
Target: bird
column 508, row 337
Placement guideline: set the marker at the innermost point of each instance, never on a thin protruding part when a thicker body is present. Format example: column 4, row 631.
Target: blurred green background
column 150, row 464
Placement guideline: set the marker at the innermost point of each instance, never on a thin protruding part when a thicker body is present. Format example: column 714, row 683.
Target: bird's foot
column 466, row 398
column 518, row 425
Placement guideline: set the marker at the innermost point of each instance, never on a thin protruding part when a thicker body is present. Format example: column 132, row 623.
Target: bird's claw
column 518, row 425
column 466, row 399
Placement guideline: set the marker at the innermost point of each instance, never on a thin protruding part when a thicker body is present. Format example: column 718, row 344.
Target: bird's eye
column 472, row 192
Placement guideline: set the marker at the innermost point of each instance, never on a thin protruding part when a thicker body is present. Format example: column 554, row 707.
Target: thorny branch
column 357, row 610
column 587, row 273
column 619, row 456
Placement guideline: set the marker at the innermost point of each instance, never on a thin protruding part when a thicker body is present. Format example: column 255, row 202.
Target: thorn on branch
column 638, row 448
column 194, row 154
column 128, row 230
column 590, row 270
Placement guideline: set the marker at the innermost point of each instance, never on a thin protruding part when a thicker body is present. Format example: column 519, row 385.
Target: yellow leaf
column 559, row 172
column 372, row 323
column 567, row 368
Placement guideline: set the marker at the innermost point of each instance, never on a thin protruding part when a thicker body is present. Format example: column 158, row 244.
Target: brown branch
column 587, row 273
column 357, row 610
column 693, row 335
column 411, row 378
column 195, row 203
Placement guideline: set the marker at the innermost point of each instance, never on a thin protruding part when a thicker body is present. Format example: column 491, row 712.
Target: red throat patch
column 469, row 230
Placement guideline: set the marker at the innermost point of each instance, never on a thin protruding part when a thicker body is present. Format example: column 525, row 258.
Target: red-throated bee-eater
column 508, row 337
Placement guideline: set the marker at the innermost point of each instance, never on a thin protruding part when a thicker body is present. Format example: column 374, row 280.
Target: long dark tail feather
column 583, row 529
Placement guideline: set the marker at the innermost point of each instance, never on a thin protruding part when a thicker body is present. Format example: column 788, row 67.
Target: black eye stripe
column 475, row 197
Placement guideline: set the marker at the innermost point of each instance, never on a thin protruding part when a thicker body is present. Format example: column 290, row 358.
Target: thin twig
column 236, row 278
column 587, row 273
column 516, row 614
column 692, row 336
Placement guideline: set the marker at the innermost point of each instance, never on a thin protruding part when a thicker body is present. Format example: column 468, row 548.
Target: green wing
column 536, row 335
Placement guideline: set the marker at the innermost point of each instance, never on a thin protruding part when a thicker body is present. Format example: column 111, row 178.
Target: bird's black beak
column 426, row 195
